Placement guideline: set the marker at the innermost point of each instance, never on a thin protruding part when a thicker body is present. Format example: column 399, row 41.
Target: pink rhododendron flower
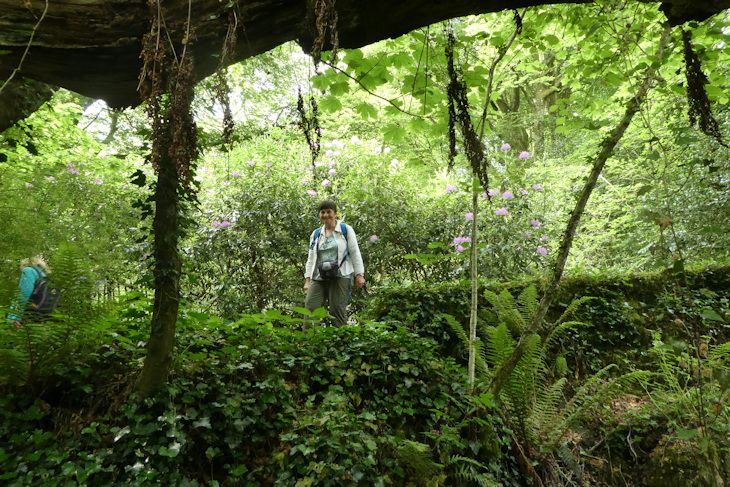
column 73, row 171
column 235, row 174
column 537, row 187
column 50, row 178
column 544, row 238
column 326, row 182
column 506, row 147
column 524, row 155
column 269, row 164
column 535, row 223
column 502, row 212
column 251, row 163
column 493, row 192
column 461, row 240
column 216, row 224
column 373, row 238
column 333, row 171
column 469, row 216
column 450, row 188
column 98, row 181
column 508, row 195
column 541, row 250
column 312, row 192
column 225, row 223
column 28, row 185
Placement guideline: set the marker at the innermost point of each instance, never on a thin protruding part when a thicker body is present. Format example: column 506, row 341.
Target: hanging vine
column 309, row 125
column 326, row 18
column 700, row 109
column 459, row 116
column 221, row 86
column 166, row 86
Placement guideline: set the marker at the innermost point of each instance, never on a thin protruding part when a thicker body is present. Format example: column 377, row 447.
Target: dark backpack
column 44, row 298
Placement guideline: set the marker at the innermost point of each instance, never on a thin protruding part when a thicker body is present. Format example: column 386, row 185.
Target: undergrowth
column 256, row 402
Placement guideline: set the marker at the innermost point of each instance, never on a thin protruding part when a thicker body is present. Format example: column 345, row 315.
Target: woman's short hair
column 36, row 261
column 328, row 205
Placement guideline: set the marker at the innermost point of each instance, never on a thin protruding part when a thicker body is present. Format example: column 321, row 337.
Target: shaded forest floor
column 637, row 394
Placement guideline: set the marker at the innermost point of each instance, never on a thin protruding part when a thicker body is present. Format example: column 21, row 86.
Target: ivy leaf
column 172, row 451
column 202, row 423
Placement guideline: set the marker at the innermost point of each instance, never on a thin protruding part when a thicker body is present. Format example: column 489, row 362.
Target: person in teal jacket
column 30, row 271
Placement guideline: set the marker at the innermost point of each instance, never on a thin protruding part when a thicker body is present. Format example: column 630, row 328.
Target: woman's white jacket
column 353, row 264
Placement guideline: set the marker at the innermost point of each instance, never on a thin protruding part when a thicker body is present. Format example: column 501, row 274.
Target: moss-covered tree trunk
column 166, row 281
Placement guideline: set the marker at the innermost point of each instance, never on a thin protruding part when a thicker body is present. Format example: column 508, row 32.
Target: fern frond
column 558, row 331
column 418, row 457
column 469, row 469
column 505, row 306
column 546, row 409
column 528, row 304
column 480, row 364
column 720, row 353
column 572, row 307
column 570, row 460
column 500, row 344
column 14, row 366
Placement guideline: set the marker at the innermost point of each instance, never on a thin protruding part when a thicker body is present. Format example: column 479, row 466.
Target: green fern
column 28, row 351
column 535, row 405
column 418, row 457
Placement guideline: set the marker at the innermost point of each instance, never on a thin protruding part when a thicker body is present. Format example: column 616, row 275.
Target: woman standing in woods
column 334, row 257
column 30, row 271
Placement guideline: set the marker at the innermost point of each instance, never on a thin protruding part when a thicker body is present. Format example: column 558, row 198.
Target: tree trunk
column 607, row 146
column 474, row 283
column 166, row 278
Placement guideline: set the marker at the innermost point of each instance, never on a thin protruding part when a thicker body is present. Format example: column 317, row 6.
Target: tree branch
column 607, row 147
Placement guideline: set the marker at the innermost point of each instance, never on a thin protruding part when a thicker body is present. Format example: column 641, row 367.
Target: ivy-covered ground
column 385, row 402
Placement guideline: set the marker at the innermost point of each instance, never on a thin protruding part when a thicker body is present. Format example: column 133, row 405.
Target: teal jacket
column 28, row 278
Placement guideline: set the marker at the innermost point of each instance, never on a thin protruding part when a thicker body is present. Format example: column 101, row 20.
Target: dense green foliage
column 633, row 389
column 254, row 404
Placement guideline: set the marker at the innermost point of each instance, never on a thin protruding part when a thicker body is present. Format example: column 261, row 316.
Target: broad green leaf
column 684, row 434
column 393, row 133
column 710, row 314
column 339, row 88
column 172, row 451
column 330, row 104
column 367, row 110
